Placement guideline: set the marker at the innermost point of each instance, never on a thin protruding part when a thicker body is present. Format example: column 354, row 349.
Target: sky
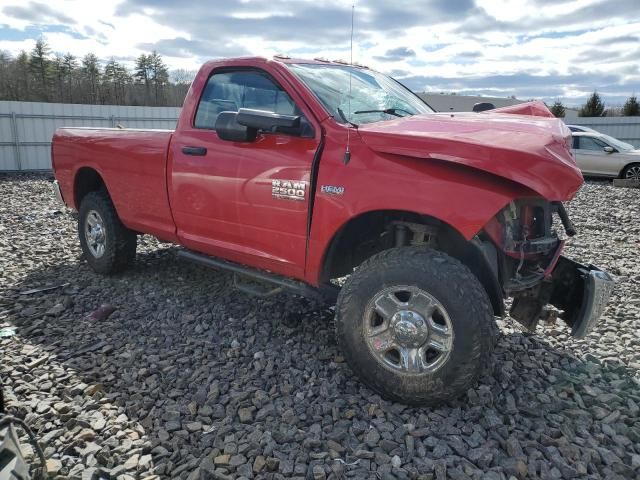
column 549, row 49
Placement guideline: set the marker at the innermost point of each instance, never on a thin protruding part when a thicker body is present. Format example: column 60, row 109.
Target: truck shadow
column 182, row 339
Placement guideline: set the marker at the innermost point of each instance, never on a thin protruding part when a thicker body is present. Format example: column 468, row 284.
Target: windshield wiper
column 344, row 118
column 388, row 111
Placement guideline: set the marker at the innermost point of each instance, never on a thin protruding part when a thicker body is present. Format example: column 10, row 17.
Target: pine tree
column 40, row 76
column 631, row 107
column 558, row 109
column 6, row 84
column 70, row 70
column 24, row 84
column 593, row 108
column 159, row 75
column 90, row 74
column 40, row 66
column 118, row 77
column 142, row 74
column 57, row 67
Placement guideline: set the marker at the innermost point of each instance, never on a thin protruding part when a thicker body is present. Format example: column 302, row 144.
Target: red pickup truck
column 308, row 175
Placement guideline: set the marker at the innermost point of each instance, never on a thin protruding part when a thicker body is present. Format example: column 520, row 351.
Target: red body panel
column 459, row 168
column 132, row 164
column 529, row 150
column 222, row 202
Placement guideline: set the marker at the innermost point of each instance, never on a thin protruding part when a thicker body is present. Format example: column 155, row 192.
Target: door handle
column 199, row 151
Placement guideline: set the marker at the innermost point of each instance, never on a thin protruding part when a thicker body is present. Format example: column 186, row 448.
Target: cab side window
column 589, row 143
column 230, row 91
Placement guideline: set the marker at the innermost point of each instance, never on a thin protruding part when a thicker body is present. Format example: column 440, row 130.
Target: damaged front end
column 534, row 272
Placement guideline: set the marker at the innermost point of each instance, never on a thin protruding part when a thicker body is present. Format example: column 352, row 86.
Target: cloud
column 396, row 54
column 278, row 21
column 183, row 47
column 541, row 17
column 528, row 48
column 547, row 87
column 37, row 12
column 625, row 39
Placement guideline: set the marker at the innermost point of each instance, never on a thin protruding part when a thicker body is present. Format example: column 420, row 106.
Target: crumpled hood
column 527, row 146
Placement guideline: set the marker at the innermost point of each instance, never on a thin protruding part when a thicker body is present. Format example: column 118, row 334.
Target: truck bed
column 132, row 163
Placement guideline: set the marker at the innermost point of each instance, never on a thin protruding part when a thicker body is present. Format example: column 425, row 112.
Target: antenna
column 347, row 153
column 353, row 7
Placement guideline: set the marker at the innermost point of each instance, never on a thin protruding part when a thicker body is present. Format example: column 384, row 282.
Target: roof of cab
column 282, row 59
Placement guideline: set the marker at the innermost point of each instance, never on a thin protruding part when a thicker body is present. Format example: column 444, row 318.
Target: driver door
column 246, row 202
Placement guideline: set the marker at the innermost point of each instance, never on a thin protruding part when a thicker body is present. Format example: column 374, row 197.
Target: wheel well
column 87, row 180
column 624, row 169
column 373, row 232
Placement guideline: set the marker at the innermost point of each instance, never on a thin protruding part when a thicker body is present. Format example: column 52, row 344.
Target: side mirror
column 483, row 106
column 265, row 120
column 243, row 125
column 228, row 128
column 609, row 149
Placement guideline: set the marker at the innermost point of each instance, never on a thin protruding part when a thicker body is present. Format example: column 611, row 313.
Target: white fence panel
column 626, row 129
column 7, row 145
column 26, row 128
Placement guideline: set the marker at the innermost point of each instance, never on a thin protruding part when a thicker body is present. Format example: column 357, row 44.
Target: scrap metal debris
column 102, row 313
column 44, row 289
column 7, row 332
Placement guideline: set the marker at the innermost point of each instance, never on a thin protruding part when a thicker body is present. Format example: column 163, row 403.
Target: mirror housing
column 228, row 128
column 609, row 149
column 266, row 120
column 243, row 125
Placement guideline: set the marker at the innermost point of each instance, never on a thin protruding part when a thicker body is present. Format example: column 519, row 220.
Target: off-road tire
column 460, row 293
column 12, row 463
column 120, row 242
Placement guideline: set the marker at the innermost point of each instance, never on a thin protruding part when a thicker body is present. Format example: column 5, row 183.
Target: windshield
column 618, row 144
column 369, row 91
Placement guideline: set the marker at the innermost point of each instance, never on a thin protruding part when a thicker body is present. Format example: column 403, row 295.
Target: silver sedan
column 600, row 155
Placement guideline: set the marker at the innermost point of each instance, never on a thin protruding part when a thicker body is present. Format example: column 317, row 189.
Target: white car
column 600, row 155
column 580, row 128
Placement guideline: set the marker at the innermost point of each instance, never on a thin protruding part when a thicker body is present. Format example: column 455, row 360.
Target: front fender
column 459, row 196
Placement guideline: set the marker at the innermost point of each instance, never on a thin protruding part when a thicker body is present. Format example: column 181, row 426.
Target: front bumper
column 582, row 293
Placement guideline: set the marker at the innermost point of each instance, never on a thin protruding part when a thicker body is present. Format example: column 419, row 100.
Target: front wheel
column 415, row 325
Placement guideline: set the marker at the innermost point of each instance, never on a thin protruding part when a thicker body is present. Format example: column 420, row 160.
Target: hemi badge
column 332, row 189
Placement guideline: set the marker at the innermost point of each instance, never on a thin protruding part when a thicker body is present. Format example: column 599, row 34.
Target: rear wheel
column 108, row 245
column 416, row 325
column 632, row 172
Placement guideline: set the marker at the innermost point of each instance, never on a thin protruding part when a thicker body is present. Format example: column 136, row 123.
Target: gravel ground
column 168, row 372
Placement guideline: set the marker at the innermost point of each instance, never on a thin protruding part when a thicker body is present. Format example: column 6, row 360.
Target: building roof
column 441, row 102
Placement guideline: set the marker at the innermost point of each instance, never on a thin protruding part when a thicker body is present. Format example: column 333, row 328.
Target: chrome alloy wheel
column 94, row 233
column 408, row 330
column 633, row 173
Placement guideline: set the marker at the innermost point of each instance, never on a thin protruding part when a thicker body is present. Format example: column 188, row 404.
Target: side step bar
column 325, row 293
